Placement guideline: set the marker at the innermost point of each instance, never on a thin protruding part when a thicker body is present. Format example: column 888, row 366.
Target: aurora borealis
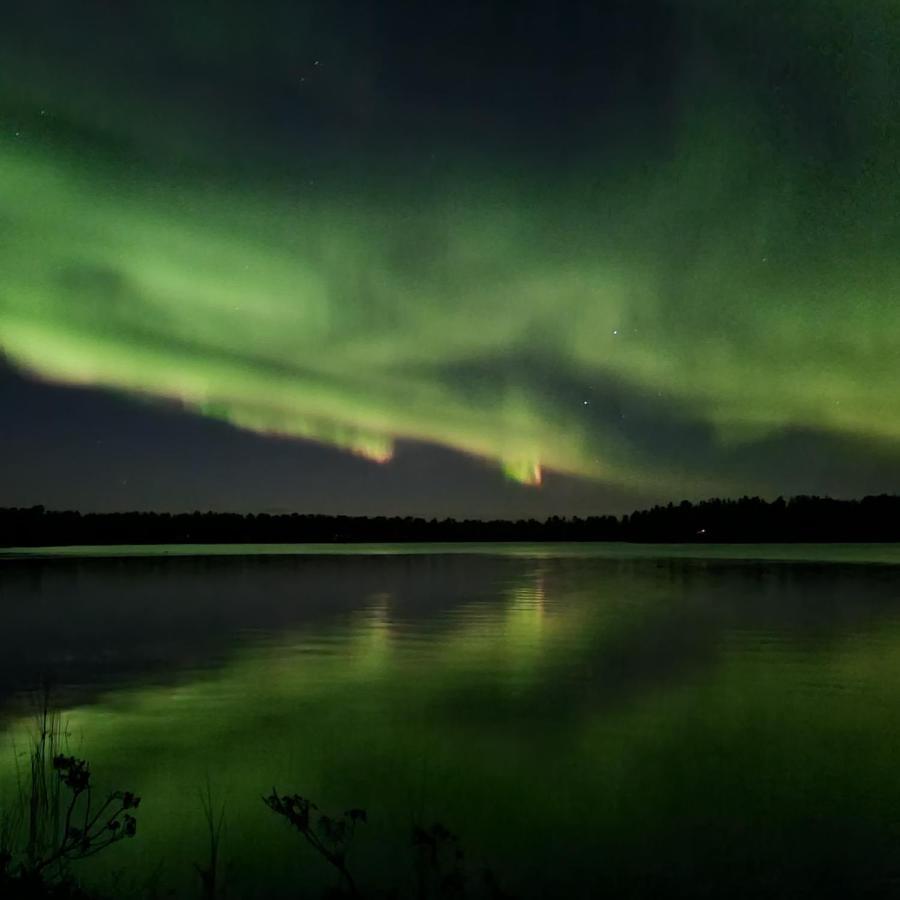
column 649, row 245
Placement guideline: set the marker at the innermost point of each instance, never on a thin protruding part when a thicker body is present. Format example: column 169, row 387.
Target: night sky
column 464, row 258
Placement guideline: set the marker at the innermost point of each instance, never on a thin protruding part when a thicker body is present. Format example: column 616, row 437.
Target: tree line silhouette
column 748, row 519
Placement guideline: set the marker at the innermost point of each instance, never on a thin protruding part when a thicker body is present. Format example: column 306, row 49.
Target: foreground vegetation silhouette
column 438, row 857
column 745, row 520
column 58, row 820
column 329, row 836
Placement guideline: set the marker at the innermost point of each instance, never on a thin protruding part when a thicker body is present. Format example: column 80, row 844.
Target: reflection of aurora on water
column 549, row 687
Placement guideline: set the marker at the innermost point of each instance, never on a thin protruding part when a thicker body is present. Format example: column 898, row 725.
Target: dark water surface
column 634, row 721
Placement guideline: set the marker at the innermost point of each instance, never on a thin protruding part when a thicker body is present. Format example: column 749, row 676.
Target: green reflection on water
column 593, row 726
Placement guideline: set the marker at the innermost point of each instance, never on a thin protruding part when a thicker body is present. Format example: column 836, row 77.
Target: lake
column 625, row 720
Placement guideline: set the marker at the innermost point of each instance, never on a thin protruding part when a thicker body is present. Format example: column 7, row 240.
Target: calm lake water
column 603, row 719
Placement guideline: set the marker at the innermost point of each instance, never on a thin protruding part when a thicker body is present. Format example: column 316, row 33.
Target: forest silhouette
column 745, row 520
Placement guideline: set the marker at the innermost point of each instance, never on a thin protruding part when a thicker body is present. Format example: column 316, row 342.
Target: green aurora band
column 631, row 317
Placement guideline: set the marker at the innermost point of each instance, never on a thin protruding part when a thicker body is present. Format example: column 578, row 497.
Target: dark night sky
column 415, row 258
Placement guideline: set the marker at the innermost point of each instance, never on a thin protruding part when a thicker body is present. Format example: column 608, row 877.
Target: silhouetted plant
column 492, row 887
column 61, row 819
column 329, row 836
column 440, row 861
column 40, row 796
column 8, row 822
column 209, row 874
column 88, row 829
